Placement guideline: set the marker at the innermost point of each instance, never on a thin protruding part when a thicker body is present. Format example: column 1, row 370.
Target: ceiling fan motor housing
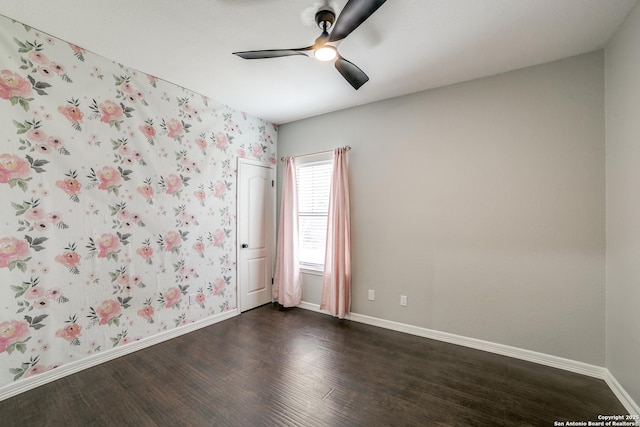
column 325, row 19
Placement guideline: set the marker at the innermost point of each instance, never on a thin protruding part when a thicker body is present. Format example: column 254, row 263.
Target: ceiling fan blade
column 272, row 53
column 354, row 13
column 354, row 75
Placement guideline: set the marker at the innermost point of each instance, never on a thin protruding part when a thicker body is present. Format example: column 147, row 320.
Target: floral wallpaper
column 117, row 202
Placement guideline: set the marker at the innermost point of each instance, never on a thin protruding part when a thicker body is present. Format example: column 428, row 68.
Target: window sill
column 306, row 270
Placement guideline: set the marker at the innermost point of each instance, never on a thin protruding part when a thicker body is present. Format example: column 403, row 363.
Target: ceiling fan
column 354, row 13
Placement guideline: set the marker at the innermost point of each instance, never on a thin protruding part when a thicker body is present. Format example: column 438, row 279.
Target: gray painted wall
column 483, row 202
column 623, row 205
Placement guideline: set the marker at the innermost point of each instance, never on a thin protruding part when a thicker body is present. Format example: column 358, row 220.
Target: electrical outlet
column 192, row 299
column 403, row 300
column 372, row 295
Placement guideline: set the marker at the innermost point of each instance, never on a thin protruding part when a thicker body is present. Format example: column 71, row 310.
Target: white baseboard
column 98, row 358
column 622, row 395
column 504, row 350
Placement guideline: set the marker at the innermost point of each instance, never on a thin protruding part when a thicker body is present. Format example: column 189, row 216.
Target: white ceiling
column 405, row 47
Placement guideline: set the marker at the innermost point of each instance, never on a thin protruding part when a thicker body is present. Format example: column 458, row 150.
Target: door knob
column 244, row 246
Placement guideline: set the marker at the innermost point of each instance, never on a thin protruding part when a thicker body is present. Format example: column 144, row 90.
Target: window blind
column 314, row 185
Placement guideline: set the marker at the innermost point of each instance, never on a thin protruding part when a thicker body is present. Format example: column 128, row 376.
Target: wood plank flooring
column 271, row 367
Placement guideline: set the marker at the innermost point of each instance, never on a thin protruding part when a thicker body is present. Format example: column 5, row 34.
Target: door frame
column 272, row 168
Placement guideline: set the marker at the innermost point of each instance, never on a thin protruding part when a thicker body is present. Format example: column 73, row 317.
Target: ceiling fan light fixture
column 325, row 53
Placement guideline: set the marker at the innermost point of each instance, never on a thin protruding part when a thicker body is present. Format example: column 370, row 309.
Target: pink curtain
column 286, row 281
column 336, row 280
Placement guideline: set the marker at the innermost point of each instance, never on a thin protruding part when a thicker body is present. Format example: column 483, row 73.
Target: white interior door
column 256, row 233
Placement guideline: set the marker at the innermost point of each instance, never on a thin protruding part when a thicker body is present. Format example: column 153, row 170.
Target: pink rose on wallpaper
column 124, row 214
column 146, row 252
column 77, row 49
column 13, row 84
column 172, row 240
column 172, row 296
column 241, row 153
column 72, row 113
column 57, row 68
column 108, row 243
column 200, row 195
column 138, row 95
column 148, row 131
column 111, row 112
column 42, row 148
column 200, row 298
column 55, row 142
column 13, row 167
column 41, row 226
column 147, row 312
column 12, row 249
column 199, row 248
column 146, row 191
column 174, row 128
column 34, row 293
column 36, row 135
column 44, row 70
column 108, row 177
column 219, row 188
column 108, row 310
column 41, row 303
column 38, row 57
column 218, row 237
column 71, row 186
column 34, row 214
column 34, row 370
column 173, row 183
column 125, row 150
column 54, row 218
column 69, row 259
column 257, row 150
column 202, row 143
column 218, row 285
column 70, row 332
column 221, row 140
column 54, row 293
column 12, row 332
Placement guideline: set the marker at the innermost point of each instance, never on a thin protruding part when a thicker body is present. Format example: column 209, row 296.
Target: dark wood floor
column 268, row 367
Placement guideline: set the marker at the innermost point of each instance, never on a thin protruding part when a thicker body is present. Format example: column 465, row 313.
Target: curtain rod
column 346, row 147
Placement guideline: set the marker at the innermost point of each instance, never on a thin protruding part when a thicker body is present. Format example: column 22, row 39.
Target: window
column 314, row 185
